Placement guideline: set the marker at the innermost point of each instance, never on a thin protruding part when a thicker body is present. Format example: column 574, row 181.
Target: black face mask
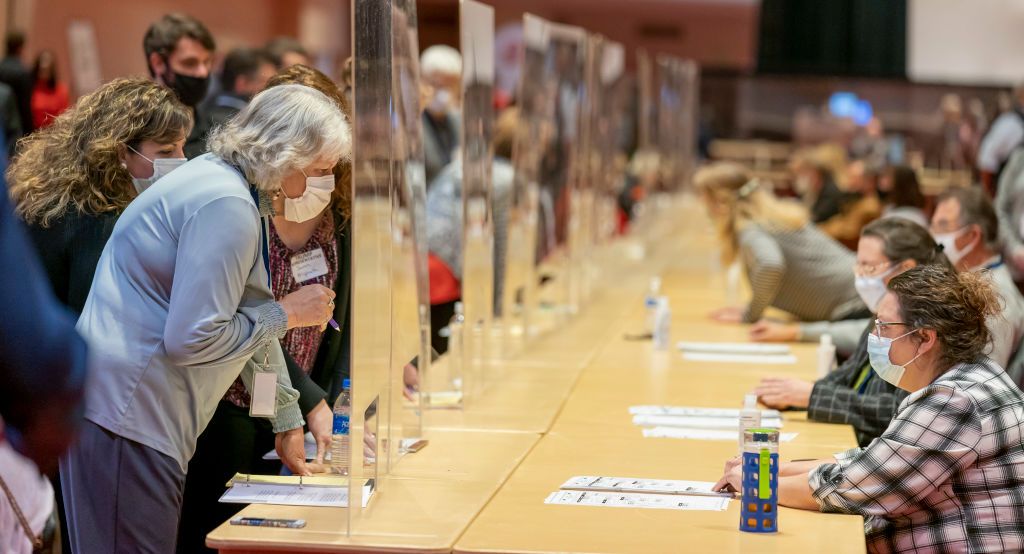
column 190, row 90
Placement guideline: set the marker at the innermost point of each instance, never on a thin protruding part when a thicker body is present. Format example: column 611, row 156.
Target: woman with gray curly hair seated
column 180, row 307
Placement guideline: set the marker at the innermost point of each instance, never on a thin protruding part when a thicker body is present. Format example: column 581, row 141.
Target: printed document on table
column 325, row 491
column 757, row 359
column 734, row 348
column 644, row 486
column 700, row 422
column 702, row 434
column 697, row 412
column 632, row 500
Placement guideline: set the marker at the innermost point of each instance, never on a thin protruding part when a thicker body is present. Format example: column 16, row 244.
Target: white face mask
column 161, row 167
column 948, row 242
column 872, row 289
column 313, row 201
column 878, row 356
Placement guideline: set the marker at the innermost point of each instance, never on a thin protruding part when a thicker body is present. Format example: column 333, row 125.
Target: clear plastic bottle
column 651, row 303
column 457, row 345
column 750, row 416
column 826, row 355
column 662, row 334
column 340, row 450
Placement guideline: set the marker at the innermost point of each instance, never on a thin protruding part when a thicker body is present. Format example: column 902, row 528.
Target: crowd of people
column 164, row 214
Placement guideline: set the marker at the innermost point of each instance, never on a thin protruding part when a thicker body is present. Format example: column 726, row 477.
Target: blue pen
column 334, row 324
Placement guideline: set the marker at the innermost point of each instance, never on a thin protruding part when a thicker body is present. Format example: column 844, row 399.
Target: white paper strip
column 655, row 501
column 759, row 359
column 702, row 434
column 700, row 422
column 697, row 412
column 734, row 348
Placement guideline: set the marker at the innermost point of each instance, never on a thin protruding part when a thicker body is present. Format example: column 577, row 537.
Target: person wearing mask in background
column 50, row 96
column 167, row 354
column 815, row 183
column 42, row 378
column 445, row 228
column 852, row 394
column 14, row 74
column 785, row 256
column 233, row 442
column 862, row 184
column 441, row 83
column 244, row 73
column 945, row 475
column 901, row 194
column 965, row 224
column 73, row 178
column 179, row 54
column 1005, row 136
column 286, row 52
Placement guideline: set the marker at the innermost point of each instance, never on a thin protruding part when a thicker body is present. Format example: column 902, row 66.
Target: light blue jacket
column 179, row 307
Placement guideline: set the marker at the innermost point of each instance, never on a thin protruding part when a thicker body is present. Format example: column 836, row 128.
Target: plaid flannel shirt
column 948, row 473
column 834, row 400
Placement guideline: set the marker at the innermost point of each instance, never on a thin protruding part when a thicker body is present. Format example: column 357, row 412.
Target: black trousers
column 233, row 442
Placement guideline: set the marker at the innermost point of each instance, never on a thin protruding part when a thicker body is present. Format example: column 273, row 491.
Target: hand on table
column 732, row 477
column 772, row 331
column 291, row 448
column 730, row 314
column 320, row 421
column 781, row 393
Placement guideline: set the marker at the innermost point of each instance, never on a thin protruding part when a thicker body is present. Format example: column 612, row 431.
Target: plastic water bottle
column 340, row 451
column 826, row 356
column 457, row 345
column 651, row 302
column 662, row 325
column 750, row 416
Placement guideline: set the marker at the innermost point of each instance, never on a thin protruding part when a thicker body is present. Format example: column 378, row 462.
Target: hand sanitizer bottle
column 826, row 356
column 750, row 416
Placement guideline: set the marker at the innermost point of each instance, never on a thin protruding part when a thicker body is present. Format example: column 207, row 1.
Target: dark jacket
column 869, row 410
column 829, row 202
column 333, row 358
column 43, row 366
column 440, row 139
column 14, row 74
column 211, row 114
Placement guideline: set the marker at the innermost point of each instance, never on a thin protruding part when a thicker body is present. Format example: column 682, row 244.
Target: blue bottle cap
column 346, row 384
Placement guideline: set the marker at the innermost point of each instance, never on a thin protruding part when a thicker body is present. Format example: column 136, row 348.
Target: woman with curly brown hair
column 234, row 442
column 73, row 179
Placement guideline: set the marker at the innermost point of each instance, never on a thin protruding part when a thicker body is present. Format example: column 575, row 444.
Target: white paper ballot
column 701, row 434
column 644, row 486
column 760, row 359
column 697, row 412
column 734, row 347
column 292, row 495
column 633, row 500
column 700, row 422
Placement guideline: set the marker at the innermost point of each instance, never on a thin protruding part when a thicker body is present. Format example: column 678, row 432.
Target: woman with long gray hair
column 181, row 306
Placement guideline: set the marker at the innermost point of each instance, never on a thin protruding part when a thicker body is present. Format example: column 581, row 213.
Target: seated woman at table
column 945, row 475
column 791, row 265
column 853, row 394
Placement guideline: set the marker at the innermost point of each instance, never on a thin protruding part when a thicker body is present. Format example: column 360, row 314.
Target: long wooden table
column 560, row 408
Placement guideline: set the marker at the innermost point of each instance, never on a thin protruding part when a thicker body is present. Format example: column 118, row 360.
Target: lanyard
column 264, row 230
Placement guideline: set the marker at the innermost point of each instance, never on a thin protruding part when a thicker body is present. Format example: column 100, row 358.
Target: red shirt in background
column 48, row 103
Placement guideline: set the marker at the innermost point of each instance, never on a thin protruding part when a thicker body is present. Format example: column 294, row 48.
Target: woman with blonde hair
column 72, row 180
column 785, row 256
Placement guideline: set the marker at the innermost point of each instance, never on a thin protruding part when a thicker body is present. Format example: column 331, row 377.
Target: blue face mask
column 878, row 355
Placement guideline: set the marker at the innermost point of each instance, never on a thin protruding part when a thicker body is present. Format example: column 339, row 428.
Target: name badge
column 309, row 265
column 263, row 396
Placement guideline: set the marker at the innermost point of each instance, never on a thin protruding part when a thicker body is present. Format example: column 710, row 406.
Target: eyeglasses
column 870, row 270
column 879, row 325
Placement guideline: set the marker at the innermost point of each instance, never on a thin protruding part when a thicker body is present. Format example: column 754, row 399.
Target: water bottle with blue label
column 760, row 494
column 340, row 455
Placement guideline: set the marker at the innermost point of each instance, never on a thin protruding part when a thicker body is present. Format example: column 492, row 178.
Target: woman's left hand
column 291, row 448
column 320, row 421
column 732, row 480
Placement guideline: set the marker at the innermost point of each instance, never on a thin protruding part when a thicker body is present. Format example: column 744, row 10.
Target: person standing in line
column 244, row 73
column 441, row 74
column 165, row 354
column 179, row 54
column 14, row 74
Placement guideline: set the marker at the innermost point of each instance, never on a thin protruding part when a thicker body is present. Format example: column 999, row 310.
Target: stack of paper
column 685, row 422
column 628, row 492
column 290, row 490
column 737, row 353
column 702, row 434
